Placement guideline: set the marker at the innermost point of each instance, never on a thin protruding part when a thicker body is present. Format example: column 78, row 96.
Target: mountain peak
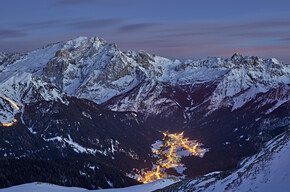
column 237, row 57
column 84, row 41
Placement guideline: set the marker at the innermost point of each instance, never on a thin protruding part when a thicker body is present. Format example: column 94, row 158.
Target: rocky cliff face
column 91, row 68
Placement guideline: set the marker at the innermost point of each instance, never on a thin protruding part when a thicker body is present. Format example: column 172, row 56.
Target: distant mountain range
column 94, row 111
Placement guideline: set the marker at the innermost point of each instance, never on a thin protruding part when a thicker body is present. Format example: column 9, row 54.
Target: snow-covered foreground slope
column 266, row 171
column 42, row 187
column 45, row 187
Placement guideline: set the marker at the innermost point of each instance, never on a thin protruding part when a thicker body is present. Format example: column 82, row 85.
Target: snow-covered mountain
column 93, row 69
column 87, row 99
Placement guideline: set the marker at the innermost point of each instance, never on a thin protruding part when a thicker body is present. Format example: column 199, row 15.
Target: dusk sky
column 171, row 28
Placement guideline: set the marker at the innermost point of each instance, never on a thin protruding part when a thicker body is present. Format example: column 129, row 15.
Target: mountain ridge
column 93, row 69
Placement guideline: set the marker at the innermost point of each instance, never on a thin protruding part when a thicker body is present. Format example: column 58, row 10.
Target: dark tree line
column 66, row 172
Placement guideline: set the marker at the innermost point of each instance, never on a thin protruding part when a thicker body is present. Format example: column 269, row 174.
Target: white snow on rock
column 93, row 69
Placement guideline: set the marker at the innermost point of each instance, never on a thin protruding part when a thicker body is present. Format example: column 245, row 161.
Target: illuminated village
column 168, row 155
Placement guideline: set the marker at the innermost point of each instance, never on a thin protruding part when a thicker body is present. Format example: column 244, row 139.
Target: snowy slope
column 266, row 171
column 19, row 81
column 44, row 187
column 23, row 88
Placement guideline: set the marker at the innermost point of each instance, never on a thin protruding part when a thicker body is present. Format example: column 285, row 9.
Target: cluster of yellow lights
column 169, row 157
column 16, row 107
